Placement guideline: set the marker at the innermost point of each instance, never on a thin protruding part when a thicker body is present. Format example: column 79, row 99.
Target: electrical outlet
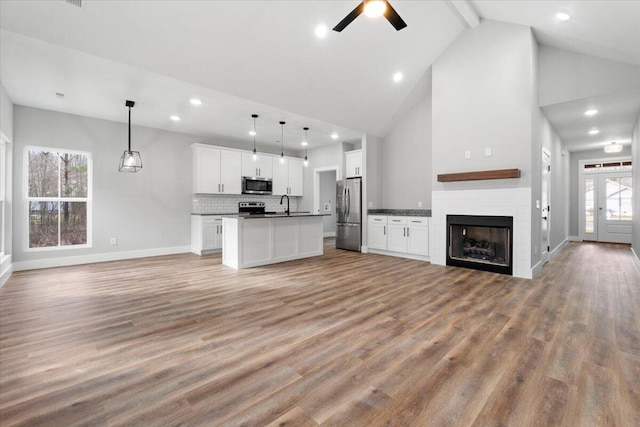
column 467, row 154
column 487, row 151
column 114, row 241
column 419, row 204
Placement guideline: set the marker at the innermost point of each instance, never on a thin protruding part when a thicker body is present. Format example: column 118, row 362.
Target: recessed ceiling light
column 375, row 8
column 334, row 136
column 594, row 131
column 175, row 118
column 590, row 113
column 252, row 133
column 397, row 77
column 304, row 143
column 195, row 101
column 563, row 16
column 321, row 31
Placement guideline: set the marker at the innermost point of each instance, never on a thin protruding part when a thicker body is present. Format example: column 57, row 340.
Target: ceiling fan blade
column 349, row 18
column 393, row 18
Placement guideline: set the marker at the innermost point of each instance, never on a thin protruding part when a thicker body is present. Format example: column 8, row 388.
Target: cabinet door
column 397, row 240
column 230, row 168
column 377, row 235
column 206, row 170
column 296, row 177
column 265, row 166
column 354, row 163
column 418, row 240
column 249, row 166
column 209, row 235
column 280, row 177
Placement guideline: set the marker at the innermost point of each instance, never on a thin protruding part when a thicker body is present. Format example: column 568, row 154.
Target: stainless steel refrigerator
column 349, row 214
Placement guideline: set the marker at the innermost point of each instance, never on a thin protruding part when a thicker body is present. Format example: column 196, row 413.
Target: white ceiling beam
column 466, row 12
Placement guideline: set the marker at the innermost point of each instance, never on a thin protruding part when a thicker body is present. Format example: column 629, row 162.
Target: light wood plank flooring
column 345, row 339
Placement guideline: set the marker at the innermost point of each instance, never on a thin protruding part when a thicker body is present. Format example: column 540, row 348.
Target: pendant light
column 282, row 142
column 130, row 160
column 255, row 153
column 306, row 144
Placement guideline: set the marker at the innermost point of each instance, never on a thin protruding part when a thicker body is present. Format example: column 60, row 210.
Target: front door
column 607, row 207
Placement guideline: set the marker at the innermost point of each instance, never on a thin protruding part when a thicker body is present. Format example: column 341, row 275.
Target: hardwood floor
column 345, row 339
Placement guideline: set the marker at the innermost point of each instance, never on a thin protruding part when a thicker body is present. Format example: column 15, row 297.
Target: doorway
column 324, row 197
column 606, row 191
column 545, row 202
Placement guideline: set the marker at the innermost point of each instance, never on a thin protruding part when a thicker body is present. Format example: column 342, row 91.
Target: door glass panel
column 626, row 194
column 588, row 205
column 613, row 199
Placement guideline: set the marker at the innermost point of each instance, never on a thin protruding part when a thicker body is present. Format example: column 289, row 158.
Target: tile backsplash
column 218, row 203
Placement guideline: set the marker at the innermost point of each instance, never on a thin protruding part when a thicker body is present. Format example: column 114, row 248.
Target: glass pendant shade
column 130, row 160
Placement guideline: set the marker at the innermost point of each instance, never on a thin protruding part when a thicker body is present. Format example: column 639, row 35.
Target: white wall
column 406, row 158
column 148, row 210
column 566, row 76
column 574, row 176
column 6, row 169
column 483, row 90
column 328, row 195
column 635, row 150
column 319, row 158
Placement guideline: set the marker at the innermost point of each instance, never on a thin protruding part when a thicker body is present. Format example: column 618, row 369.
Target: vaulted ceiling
column 263, row 57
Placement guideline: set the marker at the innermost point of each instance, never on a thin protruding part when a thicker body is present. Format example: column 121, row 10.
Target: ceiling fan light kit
column 373, row 8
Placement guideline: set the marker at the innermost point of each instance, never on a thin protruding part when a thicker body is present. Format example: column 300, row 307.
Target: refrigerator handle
column 344, row 202
column 348, row 201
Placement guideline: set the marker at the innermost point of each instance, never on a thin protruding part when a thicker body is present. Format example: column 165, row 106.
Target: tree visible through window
column 59, row 198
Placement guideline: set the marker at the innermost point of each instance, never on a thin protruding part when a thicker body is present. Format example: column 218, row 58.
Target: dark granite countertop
column 279, row 214
column 400, row 212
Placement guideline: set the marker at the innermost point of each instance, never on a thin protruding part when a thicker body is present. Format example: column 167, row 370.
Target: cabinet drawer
column 208, row 220
column 417, row 220
column 397, row 220
column 378, row 219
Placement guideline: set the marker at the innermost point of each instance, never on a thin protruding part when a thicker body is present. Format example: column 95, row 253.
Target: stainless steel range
column 252, row 208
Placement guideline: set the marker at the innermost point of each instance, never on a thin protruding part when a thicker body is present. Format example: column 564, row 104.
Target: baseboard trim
column 635, row 258
column 398, row 254
column 329, row 234
column 6, row 273
column 104, row 257
column 364, row 249
column 574, row 239
column 554, row 253
column 536, row 269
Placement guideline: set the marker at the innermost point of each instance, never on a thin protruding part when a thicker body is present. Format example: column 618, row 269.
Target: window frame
column 27, row 199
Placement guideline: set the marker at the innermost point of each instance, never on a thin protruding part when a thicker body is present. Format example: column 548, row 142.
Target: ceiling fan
column 373, row 8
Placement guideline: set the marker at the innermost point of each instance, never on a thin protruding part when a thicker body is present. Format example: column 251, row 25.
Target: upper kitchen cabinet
column 216, row 170
column 288, row 177
column 353, row 160
column 262, row 167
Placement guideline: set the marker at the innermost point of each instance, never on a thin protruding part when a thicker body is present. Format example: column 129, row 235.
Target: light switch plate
column 467, row 154
column 487, row 151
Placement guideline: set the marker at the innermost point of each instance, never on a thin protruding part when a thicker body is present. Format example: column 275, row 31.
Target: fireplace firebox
column 480, row 242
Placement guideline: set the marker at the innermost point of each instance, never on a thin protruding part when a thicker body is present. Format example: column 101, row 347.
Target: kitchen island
column 251, row 241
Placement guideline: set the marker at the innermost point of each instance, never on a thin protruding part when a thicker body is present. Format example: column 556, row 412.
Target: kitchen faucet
column 283, row 196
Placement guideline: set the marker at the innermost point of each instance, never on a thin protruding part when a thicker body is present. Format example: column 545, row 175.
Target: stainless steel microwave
column 256, row 185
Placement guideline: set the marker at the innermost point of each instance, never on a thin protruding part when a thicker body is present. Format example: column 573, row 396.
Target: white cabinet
column 353, row 161
column 399, row 235
column 288, row 177
column 206, row 234
column 216, row 170
column 262, row 167
column 377, row 232
column 397, row 240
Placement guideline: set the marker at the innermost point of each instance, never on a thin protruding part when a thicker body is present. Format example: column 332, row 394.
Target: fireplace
column 480, row 242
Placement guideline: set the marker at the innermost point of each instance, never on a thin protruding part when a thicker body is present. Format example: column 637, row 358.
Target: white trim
column 536, row 269
column 6, row 273
column 556, row 251
column 104, row 257
column 635, row 258
column 364, row 249
column 329, row 234
column 399, row 254
column 574, row 239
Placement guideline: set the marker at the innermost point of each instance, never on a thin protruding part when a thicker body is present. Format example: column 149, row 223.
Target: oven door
column 253, row 185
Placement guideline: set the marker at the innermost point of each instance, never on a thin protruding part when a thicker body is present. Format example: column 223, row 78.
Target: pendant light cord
column 129, row 129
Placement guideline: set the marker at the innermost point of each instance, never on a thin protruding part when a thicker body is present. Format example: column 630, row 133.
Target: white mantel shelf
column 252, row 242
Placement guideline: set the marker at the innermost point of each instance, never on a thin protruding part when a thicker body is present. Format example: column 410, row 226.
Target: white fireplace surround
column 514, row 202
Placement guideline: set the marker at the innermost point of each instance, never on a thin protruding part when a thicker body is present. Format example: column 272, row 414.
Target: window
column 58, row 198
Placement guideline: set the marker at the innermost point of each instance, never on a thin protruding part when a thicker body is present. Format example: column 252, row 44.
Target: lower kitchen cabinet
column 206, row 234
column 399, row 236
